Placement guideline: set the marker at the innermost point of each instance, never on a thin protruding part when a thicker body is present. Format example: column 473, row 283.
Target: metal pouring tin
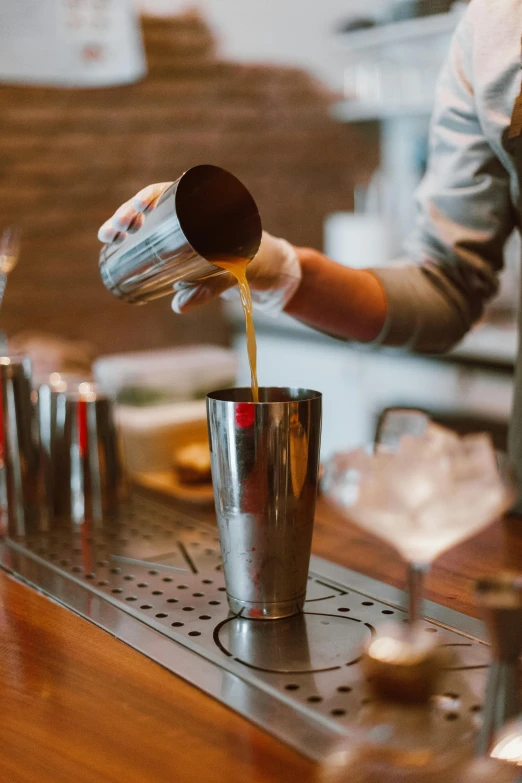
column 206, row 214
column 86, row 481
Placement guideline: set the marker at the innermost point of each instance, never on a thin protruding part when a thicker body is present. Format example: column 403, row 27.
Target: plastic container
column 151, row 436
column 150, row 378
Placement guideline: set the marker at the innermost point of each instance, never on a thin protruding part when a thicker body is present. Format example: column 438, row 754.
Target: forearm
column 344, row 302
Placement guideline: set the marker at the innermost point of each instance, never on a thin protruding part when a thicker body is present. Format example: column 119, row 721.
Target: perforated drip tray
column 297, row 678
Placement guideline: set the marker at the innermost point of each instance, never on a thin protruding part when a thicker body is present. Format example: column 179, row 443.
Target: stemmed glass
column 421, row 488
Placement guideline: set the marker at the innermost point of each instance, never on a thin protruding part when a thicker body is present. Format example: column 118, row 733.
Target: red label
column 245, row 415
column 82, row 427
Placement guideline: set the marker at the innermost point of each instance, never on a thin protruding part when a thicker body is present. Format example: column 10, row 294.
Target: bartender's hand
column 274, row 274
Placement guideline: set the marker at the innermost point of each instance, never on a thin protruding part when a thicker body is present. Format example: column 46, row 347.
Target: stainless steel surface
column 20, row 473
column 9, row 255
column 137, row 561
column 501, row 703
column 265, row 460
column 309, row 691
column 205, row 215
column 416, row 574
column 501, row 602
column 81, row 452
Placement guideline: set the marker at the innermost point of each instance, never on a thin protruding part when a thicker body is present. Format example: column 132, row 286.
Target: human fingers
column 125, row 220
column 188, row 297
column 148, row 197
column 130, row 216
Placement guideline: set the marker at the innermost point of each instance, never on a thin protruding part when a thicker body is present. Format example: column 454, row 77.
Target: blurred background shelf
column 356, row 111
column 391, row 69
column 417, row 30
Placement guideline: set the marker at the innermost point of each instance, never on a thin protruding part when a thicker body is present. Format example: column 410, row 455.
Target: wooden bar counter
column 78, row 706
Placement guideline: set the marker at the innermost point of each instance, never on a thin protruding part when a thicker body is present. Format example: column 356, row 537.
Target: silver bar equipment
column 20, row 472
column 205, row 215
column 501, row 602
column 82, row 449
column 265, row 459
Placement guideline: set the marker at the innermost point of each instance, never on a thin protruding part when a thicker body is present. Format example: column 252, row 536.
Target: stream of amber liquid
column 238, row 268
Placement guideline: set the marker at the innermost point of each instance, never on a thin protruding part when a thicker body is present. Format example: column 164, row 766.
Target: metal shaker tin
column 265, row 460
column 207, row 214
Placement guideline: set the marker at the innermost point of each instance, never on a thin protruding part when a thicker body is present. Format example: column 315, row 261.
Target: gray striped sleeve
column 464, row 218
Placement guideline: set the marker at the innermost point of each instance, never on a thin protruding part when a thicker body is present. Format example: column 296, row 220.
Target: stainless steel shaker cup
column 20, row 466
column 207, row 214
column 265, row 460
column 80, row 440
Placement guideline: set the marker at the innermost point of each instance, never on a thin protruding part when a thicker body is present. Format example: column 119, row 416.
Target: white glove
column 274, row 274
column 130, row 216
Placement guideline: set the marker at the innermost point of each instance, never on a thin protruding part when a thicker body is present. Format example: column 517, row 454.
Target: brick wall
column 68, row 158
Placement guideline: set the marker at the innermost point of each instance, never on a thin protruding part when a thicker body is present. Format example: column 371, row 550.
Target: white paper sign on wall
column 76, row 43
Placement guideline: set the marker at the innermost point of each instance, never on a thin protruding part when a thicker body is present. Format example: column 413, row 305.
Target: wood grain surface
column 78, row 705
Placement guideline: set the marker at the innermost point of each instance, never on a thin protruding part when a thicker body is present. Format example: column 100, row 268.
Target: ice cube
column 440, row 439
column 475, row 458
column 397, row 423
column 433, row 491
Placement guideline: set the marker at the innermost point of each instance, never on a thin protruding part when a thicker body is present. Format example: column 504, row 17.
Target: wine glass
column 421, row 488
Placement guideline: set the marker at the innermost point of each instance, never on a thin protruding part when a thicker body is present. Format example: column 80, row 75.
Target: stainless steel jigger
column 265, row 459
column 501, row 602
column 20, row 472
column 79, row 437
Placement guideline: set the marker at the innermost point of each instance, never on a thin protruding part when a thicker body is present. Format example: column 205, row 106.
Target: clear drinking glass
column 421, row 488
